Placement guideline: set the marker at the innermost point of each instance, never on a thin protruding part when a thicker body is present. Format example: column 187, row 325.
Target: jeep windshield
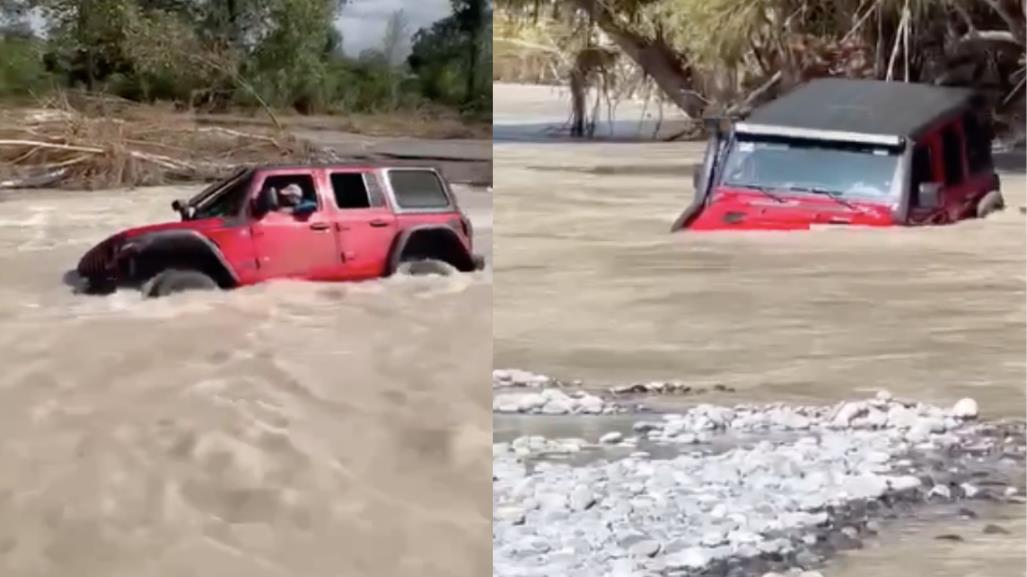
column 223, row 199
column 836, row 169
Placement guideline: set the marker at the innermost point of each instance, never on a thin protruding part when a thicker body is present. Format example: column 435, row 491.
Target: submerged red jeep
column 849, row 152
column 352, row 222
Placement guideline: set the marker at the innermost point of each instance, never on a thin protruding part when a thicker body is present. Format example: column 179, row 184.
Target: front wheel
column 173, row 281
column 989, row 203
column 425, row 267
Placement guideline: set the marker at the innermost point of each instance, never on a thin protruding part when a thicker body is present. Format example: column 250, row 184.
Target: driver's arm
column 307, row 204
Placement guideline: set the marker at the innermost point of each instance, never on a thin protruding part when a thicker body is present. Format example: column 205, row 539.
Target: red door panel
column 366, row 237
column 291, row 247
column 364, row 221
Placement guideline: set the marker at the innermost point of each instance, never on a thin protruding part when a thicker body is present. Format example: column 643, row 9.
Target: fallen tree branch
column 51, row 145
column 990, row 36
column 756, row 94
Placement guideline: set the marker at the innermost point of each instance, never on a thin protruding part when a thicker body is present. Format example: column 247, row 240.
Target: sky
column 363, row 21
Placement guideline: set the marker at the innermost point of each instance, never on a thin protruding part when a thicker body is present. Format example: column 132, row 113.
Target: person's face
column 291, row 197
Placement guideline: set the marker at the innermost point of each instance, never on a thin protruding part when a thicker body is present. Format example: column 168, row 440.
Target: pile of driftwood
column 66, row 148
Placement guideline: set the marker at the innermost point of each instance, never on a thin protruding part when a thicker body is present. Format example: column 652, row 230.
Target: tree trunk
column 655, row 57
column 472, row 68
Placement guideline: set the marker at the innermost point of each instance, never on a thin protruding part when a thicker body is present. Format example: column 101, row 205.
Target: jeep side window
column 418, row 189
column 922, row 171
column 304, row 181
column 227, row 203
column 350, row 190
column 978, row 142
column 952, row 153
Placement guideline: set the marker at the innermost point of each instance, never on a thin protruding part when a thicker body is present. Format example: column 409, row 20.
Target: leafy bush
column 22, row 70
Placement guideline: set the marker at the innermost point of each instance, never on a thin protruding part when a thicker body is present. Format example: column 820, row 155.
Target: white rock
column 557, row 407
column 900, row 417
column 875, row 419
column 884, row 395
column 513, row 515
column 581, row 498
column 965, row 409
column 865, row 486
column 590, row 405
column 920, row 432
column 903, row 483
column 847, row 413
column 940, row 491
column 692, row 557
column 552, row 502
column 645, row 548
column 611, row 437
column 969, row 490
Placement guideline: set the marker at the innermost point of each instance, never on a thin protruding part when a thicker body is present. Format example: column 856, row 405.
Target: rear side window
column 418, row 189
column 952, row 152
column 978, row 142
column 350, row 190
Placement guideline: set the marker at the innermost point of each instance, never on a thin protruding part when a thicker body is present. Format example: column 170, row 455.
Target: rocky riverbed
column 737, row 490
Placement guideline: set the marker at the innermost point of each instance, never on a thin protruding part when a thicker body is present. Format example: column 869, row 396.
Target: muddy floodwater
column 591, row 285
column 280, row 430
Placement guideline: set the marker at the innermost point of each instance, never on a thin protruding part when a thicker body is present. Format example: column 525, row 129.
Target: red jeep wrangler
column 354, row 222
column 849, row 152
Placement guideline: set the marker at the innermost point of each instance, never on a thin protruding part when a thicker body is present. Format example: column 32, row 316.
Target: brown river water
column 591, row 285
column 289, row 429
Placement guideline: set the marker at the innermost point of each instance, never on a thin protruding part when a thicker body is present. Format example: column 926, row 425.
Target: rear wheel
column 989, row 203
column 424, row 267
column 173, row 281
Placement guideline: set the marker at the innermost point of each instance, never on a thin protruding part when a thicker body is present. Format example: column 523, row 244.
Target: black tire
column 425, row 267
column 173, row 281
column 989, row 203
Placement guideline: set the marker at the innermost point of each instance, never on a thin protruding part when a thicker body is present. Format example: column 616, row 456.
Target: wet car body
column 848, row 152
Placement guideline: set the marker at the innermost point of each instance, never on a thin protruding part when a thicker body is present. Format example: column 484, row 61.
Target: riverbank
column 737, row 490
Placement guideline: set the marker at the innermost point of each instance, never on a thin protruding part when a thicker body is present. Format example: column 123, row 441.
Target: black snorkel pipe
column 719, row 129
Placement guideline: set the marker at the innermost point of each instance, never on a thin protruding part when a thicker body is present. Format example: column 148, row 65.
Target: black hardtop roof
column 862, row 106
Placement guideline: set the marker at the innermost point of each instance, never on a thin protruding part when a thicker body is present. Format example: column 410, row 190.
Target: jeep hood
column 729, row 208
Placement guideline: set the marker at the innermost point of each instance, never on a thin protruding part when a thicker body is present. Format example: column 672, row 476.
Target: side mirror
column 929, row 195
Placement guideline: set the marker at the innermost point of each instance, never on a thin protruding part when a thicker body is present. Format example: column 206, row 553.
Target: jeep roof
column 868, row 107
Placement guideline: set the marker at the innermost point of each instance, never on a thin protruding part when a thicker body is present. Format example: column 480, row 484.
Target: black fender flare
column 400, row 242
column 158, row 244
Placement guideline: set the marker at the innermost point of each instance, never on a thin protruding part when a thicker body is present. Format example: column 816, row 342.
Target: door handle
column 320, row 226
column 379, row 222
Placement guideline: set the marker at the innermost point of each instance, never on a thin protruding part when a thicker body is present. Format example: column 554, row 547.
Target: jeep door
column 365, row 223
column 958, row 189
column 294, row 246
column 929, row 167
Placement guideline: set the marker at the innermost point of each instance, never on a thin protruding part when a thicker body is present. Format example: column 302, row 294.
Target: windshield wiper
column 837, row 197
column 764, row 189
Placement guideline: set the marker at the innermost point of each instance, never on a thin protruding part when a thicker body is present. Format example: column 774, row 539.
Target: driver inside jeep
column 290, row 200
